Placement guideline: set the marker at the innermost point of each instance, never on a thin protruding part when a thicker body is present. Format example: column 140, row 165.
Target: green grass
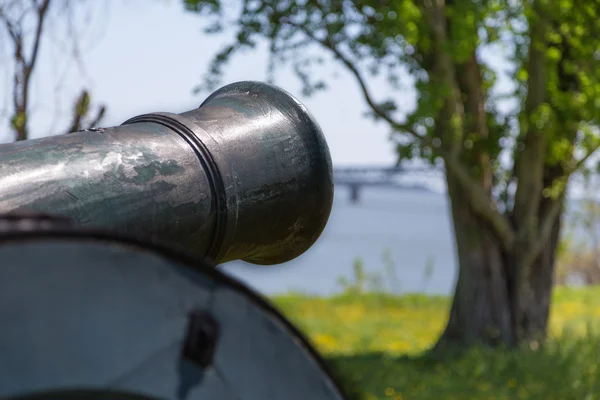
column 376, row 342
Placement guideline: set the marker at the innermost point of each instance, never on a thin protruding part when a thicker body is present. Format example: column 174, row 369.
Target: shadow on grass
column 563, row 370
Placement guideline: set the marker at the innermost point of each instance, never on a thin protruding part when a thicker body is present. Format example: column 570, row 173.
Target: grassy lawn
column 375, row 342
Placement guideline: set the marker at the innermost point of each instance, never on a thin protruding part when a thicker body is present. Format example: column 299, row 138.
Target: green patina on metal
column 244, row 176
column 147, row 172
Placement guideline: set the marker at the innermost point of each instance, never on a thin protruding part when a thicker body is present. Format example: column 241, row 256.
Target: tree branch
column 28, row 66
column 451, row 119
column 529, row 164
column 24, row 65
column 481, row 201
column 99, row 116
column 544, row 233
column 15, row 35
column 329, row 45
column 470, row 82
column 42, row 12
column 478, row 192
column 577, row 165
column 549, row 219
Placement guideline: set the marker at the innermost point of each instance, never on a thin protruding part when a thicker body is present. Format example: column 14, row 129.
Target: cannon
column 110, row 241
column 247, row 176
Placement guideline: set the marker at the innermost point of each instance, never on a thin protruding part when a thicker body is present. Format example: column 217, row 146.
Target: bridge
column 356, row 177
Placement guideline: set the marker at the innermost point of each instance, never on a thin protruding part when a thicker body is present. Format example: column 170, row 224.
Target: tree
column 507, row 215
column 25, row 23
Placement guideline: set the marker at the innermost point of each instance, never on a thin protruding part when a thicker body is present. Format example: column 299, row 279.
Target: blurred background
column 144, row 56
column 139, row 56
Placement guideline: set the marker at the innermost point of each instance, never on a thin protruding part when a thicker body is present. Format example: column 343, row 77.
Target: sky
column 142, row 56
column 139, row 56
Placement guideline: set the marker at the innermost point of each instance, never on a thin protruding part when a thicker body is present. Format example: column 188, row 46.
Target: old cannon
column 109, row 240
column 247, row 175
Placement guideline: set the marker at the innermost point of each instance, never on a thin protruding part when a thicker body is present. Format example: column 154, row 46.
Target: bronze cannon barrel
column 247, row 175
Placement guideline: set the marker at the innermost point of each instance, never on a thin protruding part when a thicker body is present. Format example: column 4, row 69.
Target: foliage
column 24, row 26
column 396, row 36
column 386, row 281
column 359, row 281
column 375, row 341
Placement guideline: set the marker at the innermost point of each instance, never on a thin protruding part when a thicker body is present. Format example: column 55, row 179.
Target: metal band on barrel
column 187, row 130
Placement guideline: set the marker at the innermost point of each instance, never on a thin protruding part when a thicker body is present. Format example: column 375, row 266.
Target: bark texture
column 489, row 306
column 481, row 309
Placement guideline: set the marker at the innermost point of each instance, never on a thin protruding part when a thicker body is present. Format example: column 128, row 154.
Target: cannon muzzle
column 247, row 175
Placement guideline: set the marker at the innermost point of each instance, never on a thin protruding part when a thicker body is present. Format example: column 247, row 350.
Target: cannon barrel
column 247, row 175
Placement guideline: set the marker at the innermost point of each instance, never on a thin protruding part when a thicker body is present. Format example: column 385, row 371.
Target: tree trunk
column 484, row 309
column 534, row 298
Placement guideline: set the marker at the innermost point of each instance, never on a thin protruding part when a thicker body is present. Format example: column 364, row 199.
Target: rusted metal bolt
column 201, row 338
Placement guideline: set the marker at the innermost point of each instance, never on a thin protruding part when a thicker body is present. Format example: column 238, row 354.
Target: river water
column 404, row 237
